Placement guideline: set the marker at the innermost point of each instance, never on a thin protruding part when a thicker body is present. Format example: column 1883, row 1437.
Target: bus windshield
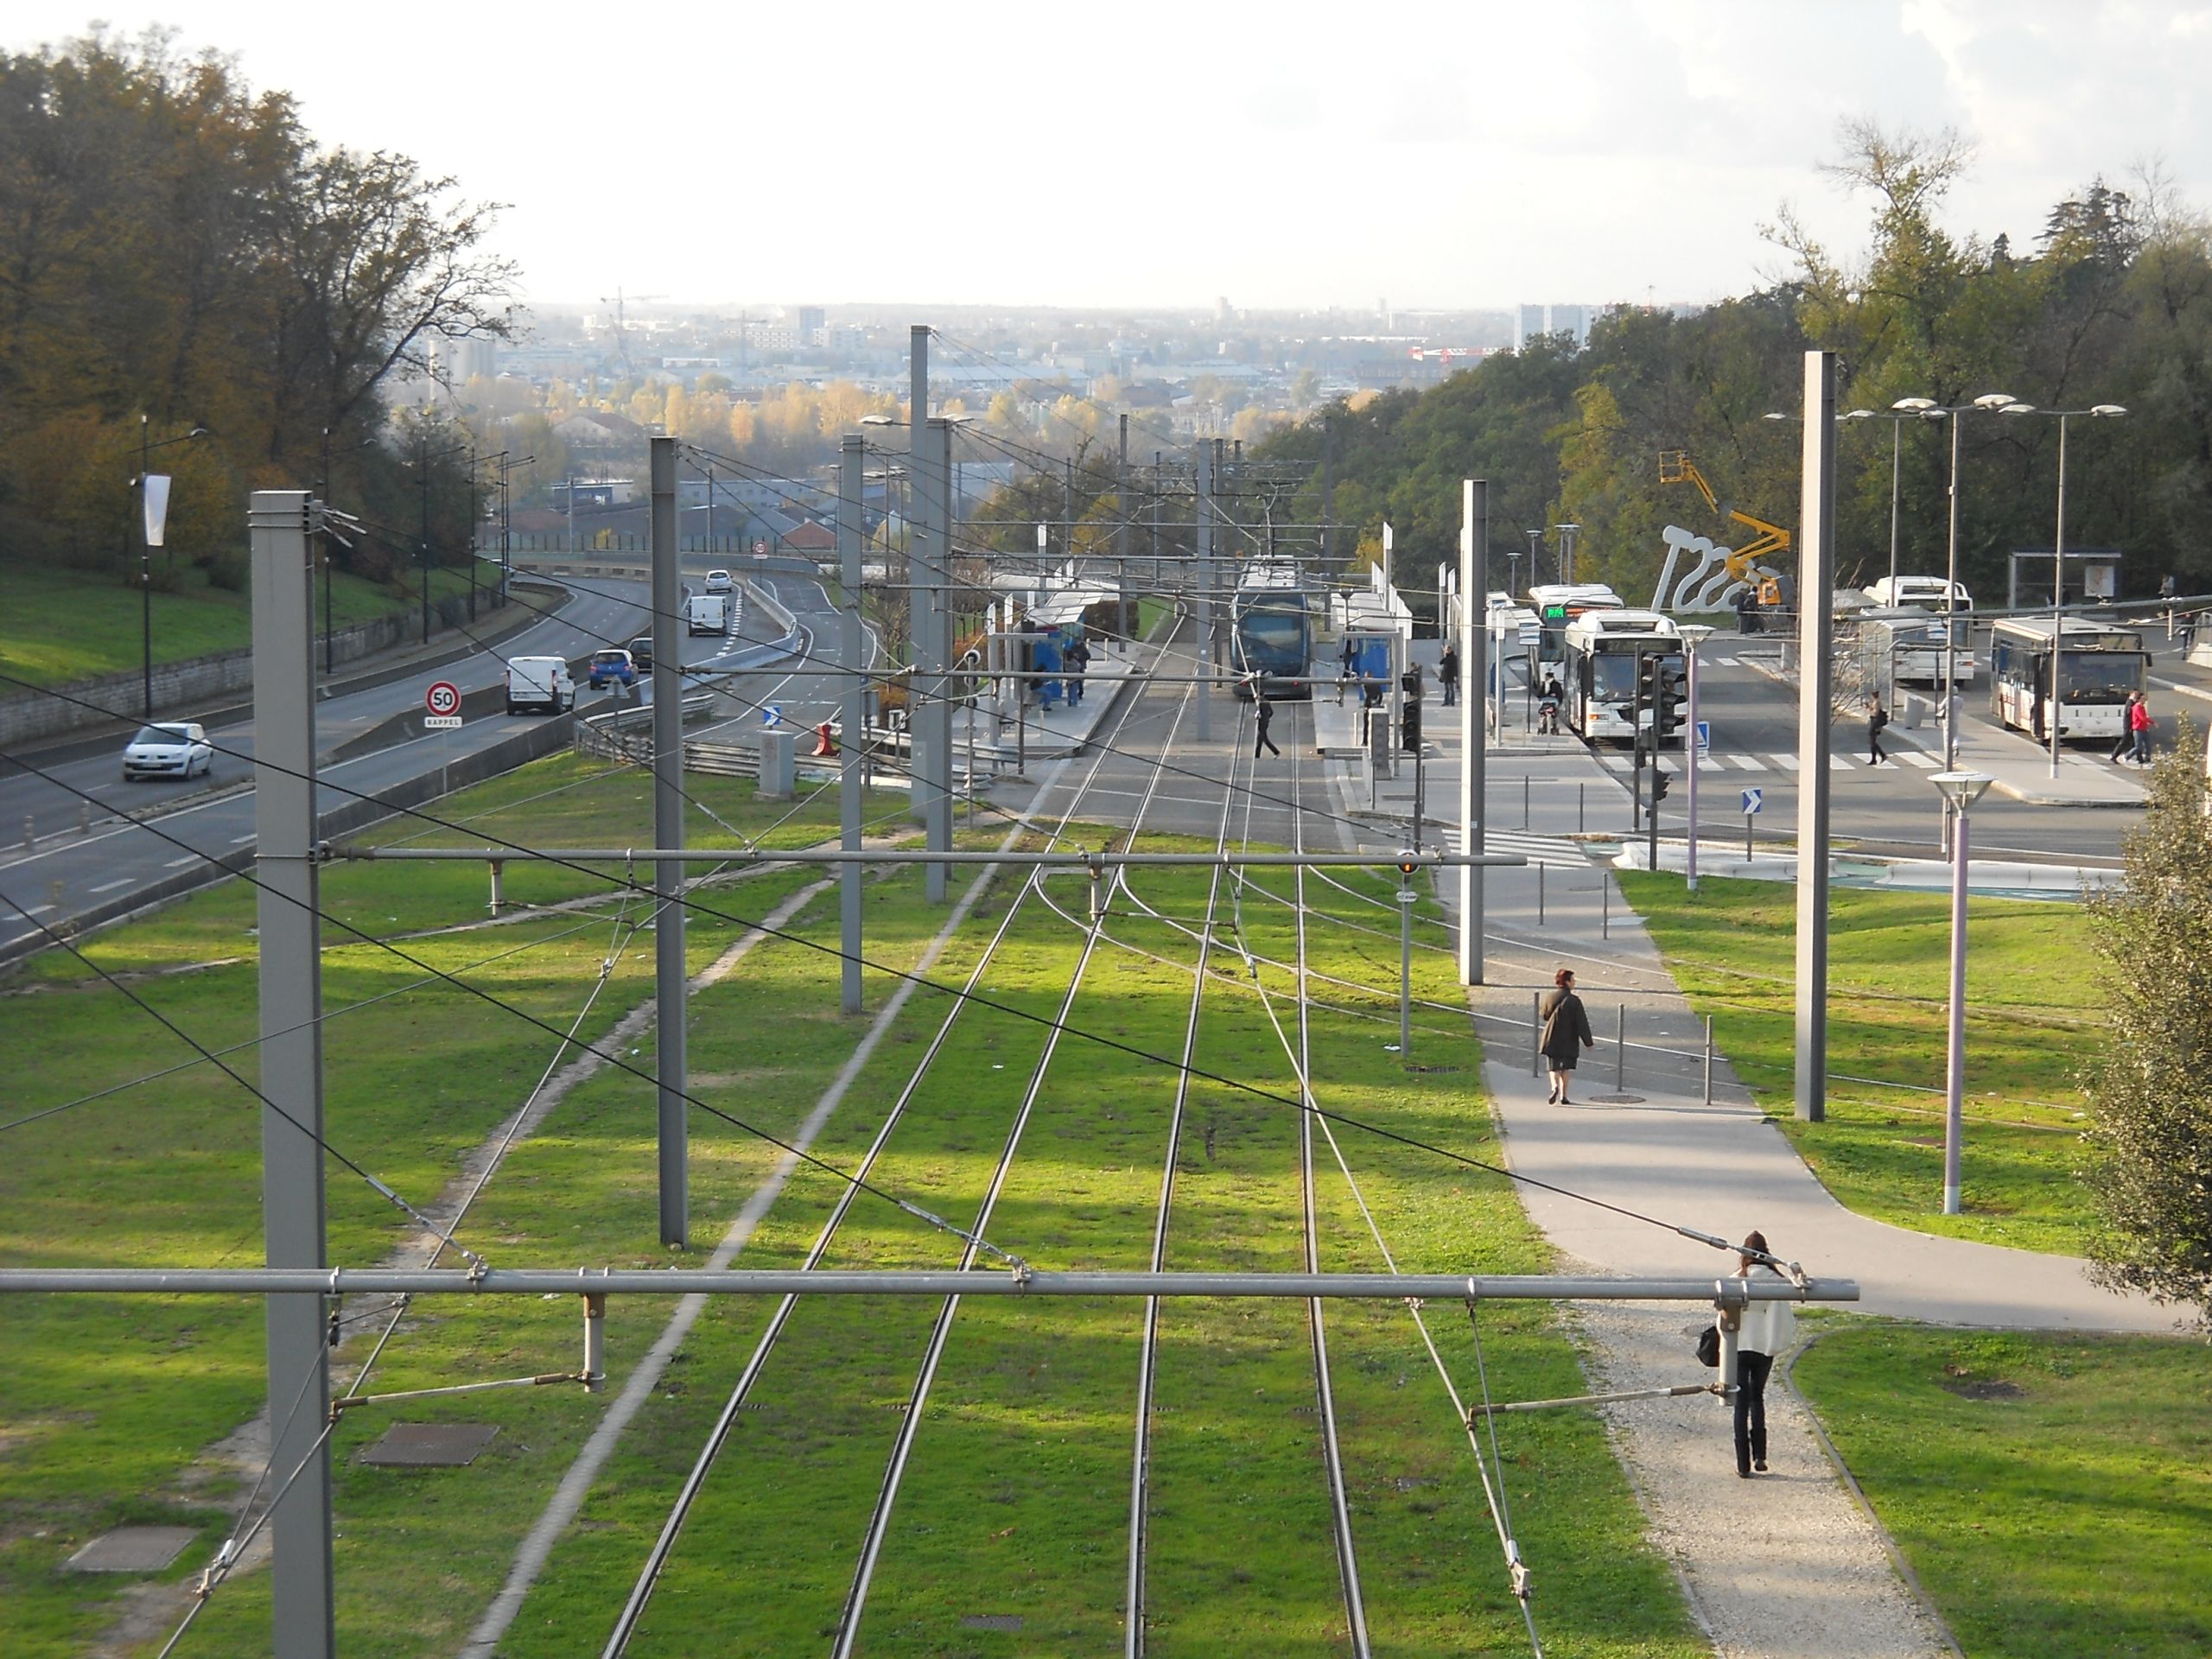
column 2099, row 675
column 1612, row 674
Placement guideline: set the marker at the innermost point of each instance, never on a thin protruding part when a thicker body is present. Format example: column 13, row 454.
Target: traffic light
column 1659, row 783
column 1647, row 681
column 1409, row 734
column 1665, row 717
column 1406, row 865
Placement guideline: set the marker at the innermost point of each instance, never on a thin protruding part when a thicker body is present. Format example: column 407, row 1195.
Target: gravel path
column 1782, row 1565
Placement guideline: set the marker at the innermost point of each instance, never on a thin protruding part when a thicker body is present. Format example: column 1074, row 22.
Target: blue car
column 613, row 667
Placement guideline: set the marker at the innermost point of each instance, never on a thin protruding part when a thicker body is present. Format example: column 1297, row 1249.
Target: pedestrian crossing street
column 1554, row 852
column 1899, row 757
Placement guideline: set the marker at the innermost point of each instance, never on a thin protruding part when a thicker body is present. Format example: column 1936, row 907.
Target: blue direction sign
column 1705, row 737
column 1753, row 800
column 772, row 714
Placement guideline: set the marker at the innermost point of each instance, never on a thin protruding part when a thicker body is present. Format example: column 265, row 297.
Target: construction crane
column 1769, row 541
column 621, row 322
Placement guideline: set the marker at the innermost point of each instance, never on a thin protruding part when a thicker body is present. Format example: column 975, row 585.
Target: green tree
column 2150, row 1141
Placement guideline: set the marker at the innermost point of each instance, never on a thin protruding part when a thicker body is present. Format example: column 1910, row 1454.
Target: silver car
column 168, row 750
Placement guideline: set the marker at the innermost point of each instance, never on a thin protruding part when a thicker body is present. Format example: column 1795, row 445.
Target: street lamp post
column 422, row 469
column 2095, row 411
column 146, row 556
column 1960, row 790
column 1567, row 551
column 1693, row 635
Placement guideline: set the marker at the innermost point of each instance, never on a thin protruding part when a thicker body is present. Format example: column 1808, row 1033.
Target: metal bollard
column 1620, row 1047
column 1535, row 1033
column 1524, row 802
column 1604, row 906
column 1581, row 806
column 1708, row 1059
column 84, row 818
column 1540, row 895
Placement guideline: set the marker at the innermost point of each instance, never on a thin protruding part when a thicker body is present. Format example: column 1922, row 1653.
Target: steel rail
column 909, row 1423
column 649, row 1575
column 1148, row 1348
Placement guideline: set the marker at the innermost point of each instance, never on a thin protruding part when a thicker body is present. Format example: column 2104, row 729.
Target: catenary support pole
column 937, row 708
column 669, row 988
column 852, row 456
column 921, row 591
column 302, row 1612
column 1405, row 966
column 1205, row 513
column 1954, row 1062
column 1689, row 771
column 1815, row 646
column 1125, row 622
column 1474, row 723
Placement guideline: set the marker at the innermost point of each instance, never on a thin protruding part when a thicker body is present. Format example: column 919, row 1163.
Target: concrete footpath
column 1790, row 1562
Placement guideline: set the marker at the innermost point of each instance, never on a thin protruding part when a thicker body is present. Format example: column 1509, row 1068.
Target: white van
column 1927, row 592
column 542, row 683
column 706, row 613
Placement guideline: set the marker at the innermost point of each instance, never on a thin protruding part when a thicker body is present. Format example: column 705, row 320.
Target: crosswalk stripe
column 1787, row 762
column 1711, row 766
column 1727, row 662
column 1915, row 757
column 1748, row 762
column 1837, row 763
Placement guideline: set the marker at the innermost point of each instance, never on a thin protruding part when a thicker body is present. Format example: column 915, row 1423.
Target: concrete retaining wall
column 187, row 688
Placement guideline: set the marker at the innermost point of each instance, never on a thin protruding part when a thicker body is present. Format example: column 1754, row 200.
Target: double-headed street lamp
column 422, row 464
column 1929, row 408
column 1960, row 790
column 2095, row 411
column 1899, row 414
column 145, row 550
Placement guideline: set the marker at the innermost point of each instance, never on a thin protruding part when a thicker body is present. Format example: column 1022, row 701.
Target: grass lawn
column 2032, row 1022
column 62, row 625
column 2053, row 1492
column 109, row 1404
column 1015, row 1502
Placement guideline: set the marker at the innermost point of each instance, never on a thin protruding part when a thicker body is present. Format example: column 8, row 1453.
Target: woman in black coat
column 1566, row 1023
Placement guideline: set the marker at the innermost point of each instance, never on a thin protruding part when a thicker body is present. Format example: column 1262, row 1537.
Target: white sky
column 1472, row 153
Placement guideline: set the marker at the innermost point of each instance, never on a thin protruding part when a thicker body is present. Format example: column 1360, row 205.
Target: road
column 69, row 873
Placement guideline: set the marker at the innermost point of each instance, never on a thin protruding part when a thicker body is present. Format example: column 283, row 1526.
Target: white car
column 177, row 749
column 542, row 683
column 1928, row 592
column 719, row 581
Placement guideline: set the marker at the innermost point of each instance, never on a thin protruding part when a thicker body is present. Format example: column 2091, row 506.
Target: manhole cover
column 991, row 1621
column 1617, row 1100
column 131, row 1549
column 429, row 1445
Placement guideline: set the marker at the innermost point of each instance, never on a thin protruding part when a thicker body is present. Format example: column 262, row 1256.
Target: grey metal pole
column 1405, row 966
column 937, row 712
column 1620, row 1047
column 1815, row 646
column 1896, row 461
column 1689, row 770
column 2058, row 596
column 1708, row 1059
column 303, row 1616
column 921, row 591
column 1950, row 610
column 1535, row 1033
column 669, row 988
column 1954, row 1068
column 852, row 456
column 1205, row 587
column 1124, row 623
column 1474, row 721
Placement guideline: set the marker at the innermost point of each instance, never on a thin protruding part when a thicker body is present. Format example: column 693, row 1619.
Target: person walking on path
column 1265, row 712
column 1447, row 675
column 1566, row 1022
column 1764, row 1329
column 2139, row 729
column 1877, row 717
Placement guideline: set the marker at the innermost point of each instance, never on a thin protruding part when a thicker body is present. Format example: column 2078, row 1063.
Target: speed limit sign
column 443, row 698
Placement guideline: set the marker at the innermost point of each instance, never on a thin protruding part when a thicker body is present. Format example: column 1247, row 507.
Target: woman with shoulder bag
column 1764, row 1329
column 1566, row 1023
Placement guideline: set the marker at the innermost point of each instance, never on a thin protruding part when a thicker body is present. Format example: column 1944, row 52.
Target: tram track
column 767, row 1345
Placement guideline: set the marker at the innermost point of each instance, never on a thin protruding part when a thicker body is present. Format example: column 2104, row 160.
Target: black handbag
column 1708, row 1346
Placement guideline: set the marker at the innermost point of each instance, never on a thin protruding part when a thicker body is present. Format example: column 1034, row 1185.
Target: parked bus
column 2099, row 665
column 1604, row 651
column 1557, row 604
column 1274, row 630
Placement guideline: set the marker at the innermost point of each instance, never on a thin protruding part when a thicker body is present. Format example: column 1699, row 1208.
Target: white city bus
column 2100, row 664
column 1603, row 649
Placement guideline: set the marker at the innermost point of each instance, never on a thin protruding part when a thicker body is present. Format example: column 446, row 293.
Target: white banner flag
column 157, row 507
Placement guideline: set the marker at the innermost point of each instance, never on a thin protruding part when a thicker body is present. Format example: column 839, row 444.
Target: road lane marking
column 240, row 841
column 179, row 863
column 110, row 886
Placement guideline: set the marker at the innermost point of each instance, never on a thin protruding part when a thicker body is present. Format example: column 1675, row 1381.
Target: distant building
column 594, row 492
column 1534, row 319
column 810, row 320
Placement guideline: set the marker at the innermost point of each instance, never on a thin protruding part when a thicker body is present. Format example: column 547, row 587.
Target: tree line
column 178, row 252
column 2111, row 305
